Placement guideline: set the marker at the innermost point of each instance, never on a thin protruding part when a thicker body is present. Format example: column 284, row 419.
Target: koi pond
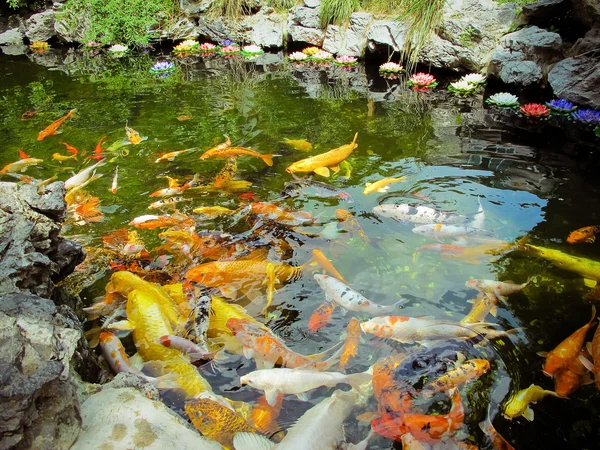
column 473, row 202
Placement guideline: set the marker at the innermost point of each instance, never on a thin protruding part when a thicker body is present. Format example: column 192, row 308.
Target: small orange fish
column 326, row 264
column 569, row 379
column 264, row 416
column 70, row 148
column 351, row 344
column 183, row 117
column 279, row 214
column 321, row 316
column 585, row 234
column 561, row 356
column 225, row 151
column 133, row 136
column 170, row 156
column 87, row 210
column 99, row 151
column 51, row 129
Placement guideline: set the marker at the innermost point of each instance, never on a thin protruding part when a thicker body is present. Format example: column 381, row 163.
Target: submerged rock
column 577, row 80
column 125, row 418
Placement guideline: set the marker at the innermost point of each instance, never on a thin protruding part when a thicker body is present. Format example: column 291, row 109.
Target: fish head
column 384, row 210
column 421, row 230
column 389, row 426
column 321, row 279
column 514, row 408
column 247, row 380
column 342, row 214
column 106, row 337
column 204, row 274
column 473, row 284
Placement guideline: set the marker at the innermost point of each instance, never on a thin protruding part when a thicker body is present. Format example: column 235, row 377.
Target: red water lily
column 535, row 110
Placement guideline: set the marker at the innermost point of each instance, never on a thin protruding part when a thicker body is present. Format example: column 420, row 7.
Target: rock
column 40, row 27
column 577, row 80
column 312, row 36
column 524, row 57
column 306, row 17
column 14, row 50
column 587, row 11
column 589, row 44
column 182, row 29
column 216, row 30
column 125, row 418
column 312, row 3
column 350, row 41
column 544, row 12
column 12, row 37
column 268, row 31
column 71, row 25
column 193, row 7
column 388, row 32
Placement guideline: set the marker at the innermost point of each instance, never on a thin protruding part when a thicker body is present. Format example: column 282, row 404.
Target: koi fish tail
column 522, row 245
column 268, row 159
column 325, row 365
column 358, row 381
column 355, row 138
column 72, row 113
column 318, row 357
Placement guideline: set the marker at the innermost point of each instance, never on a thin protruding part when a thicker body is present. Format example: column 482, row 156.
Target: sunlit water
column 439, row 144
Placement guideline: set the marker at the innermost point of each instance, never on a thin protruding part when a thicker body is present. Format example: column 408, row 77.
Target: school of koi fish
column 182, row 302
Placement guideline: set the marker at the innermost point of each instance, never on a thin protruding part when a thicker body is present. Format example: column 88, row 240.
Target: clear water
column 444, row 147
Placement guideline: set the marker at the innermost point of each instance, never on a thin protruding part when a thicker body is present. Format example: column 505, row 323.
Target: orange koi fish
column 87, row 210
column 498, row 442
column 98, row 151
column 70, row 148
column 585, row 234
column 468, row 371
column 51, row 129
column 391, row 392
column 321, row 315
column 572, row 377
column 326, row 264
column 227, row 152
column 264, row 416
column 267, row 349
column 133, row 136
column 561, row 356
column 351, row 344
column 279, row 214
column 221, row 146
column 151, row 222
column 170, row 156
column 320, row 164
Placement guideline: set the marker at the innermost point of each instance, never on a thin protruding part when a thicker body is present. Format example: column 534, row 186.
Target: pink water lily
column 346, row 60
column 422, row 81
column 535, row 110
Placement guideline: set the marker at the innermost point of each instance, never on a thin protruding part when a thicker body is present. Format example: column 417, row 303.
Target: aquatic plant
column 230, row 9
column 535, row 110
column 562, row 107
column 92, row 45
column 39, row 46
column 118, row 48
column 311, row 50
column 230, row 49
column 298, row 57
column 252, row 50
column 589, row 116
column 346, row 61
column 322, row 56
column 163, row 68
column 390, row 68
column 422, row 81
column 474, row 78
column 462, row 87
column 337, row 12
column 422, row 18
column 503, row 100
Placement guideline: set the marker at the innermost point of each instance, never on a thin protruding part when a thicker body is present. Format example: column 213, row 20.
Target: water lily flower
column 474, row 78
column 391, row 67
column 503, row 99
column 462, row 87
column 590, row 116
column 187, row 46
column 422, row 81
column 322, row 55
column 252, row 50
column 39, row 46
column 162, row 67
column 560, row 106
column 310, row 51
column 229, row 49
column 535, row 110
column 297, row 56
column 346, row 61
column 207, row 47
column 227, row 42
column 118, row 48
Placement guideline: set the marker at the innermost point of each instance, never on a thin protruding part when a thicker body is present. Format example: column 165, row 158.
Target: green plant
column 422, row 17
column 231, row 9
column 283, row 4
column 337, row 12
column 518, row 2
column 467, row 37
column 381, row 7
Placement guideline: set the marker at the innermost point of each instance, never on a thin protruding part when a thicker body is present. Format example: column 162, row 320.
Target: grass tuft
column 230, row 9
column 422, row 17
column 337, row 12
column 283, row 4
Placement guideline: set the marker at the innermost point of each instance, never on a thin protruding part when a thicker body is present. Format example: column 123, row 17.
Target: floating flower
column 118, row 48
column 560, row 106
column 310, row 51
column 207, row 47
column 163, row 67
column 535, row 110
column 462, row 87
column 322, row 56
column 503, row 100
column 186, row 47
column 297, row 57
column 250, row 50
column 346, row 61
column 422, row 81
column 474, row 78
column 589, row 116
column 391, row 67
column 39, row 46
column 91, row 45
column 229, row 49
column 227, row 42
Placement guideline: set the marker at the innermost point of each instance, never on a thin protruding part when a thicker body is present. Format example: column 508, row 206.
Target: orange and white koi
column 321, row 316
column 170, row 156
column 82, row 176
column 466, row 372
column 151, row 222
column 498, row 288
column 53, row 127
column 194, row 351
column 114, row 186
column 326, row 264
column 115, row 356
column 351, row 343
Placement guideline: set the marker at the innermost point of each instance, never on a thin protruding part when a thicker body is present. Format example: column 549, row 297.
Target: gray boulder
column 350, row 41
column 312, row 36
column 181, row 29
column 306, row 17
column 524, row 57
column 193, row 7
column 13, row 36
column 14, row 50
column 312, row 3
column 387, row 33
column 71, row 26
column 268, row 30
column 40, row 27
column 577, row 80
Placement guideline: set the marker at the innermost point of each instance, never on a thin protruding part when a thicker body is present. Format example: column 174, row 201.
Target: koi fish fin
column 587, row 379
column 354, row 140
column 268, row 159
column 589, row 283
column 23, row 155
column 301, row 396
column 121, row 325
column 335, row 169
column 358, row 380
column 528, row 414
column 251, row 441
column 271, row 396
column 542, row 354
column 494, row 311
column 248, row 352
column 588, row 347
column 323, row 171
column 368, row 416
column 586, row 362
column 262, row 364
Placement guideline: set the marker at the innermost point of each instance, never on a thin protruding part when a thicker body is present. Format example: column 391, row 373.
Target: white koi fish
column 499, row 288
column 82, row 176
column 479, row 218
column 349, row 299
column 417, row 214
column 298, row 381
column 194, row 351
column 442, row 231
column 113, row 188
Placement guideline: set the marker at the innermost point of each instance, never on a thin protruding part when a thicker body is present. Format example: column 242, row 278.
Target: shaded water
column 444, row 147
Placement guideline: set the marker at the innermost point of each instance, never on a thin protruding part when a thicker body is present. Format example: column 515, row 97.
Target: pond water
column 450, row 153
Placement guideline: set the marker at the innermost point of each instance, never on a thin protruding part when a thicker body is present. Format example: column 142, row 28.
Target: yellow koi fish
column 61, row 158
column 320, row 164
column 381, row 185
column 299, row 144
column 518, row 405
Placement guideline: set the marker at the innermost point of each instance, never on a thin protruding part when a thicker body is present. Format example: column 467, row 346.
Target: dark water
column 449, row 150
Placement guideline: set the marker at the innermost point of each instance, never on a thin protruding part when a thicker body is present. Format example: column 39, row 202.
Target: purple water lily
column 227, row 42
column 590, row 116
column 163, row 68
column 561, row 106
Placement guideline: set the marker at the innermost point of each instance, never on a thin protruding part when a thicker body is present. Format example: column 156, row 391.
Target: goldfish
column 594, row 350
column 321, row 427
column 381, row 185
column 321, row 316
column 351, row 225
column 351, row 343
column 221, row 146
column 569, row 379
column 413, row 329
column 113, row 187
column 99, row 151
column 170, row 156
column 62, row 158
column 82, row 176
column 499, row 288
column 51, row 129
column 298, row 382
column 87, row 209
column 236, row 151
column 271, row 280
column 443, row 231
column 212, row 211
column 498, row 442
column 267, row 349
column 173, row 189
column 466, row 372
column 279, row 214
column 484, row 304
column 518, row 404
column 184, row 117
column 585, row 234
column 320, row 164
column 264, row 416
column 299, row 144
column 151, row 222
column 417, row 214
column 326, row 264
column 216, row 421
column 351, row 300
column 133, row 136
column 568, row 349
column 70, row 148
column 22, row 164
column 187, row 347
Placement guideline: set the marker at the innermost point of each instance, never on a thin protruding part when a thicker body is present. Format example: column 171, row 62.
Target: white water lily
column 189, row 43
column 474, row 78
column 503, row 99
column 298, row 56
column 252, row 49
column 390, row 67
column 463, row 86
column 322, row 55
column 118, row 48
